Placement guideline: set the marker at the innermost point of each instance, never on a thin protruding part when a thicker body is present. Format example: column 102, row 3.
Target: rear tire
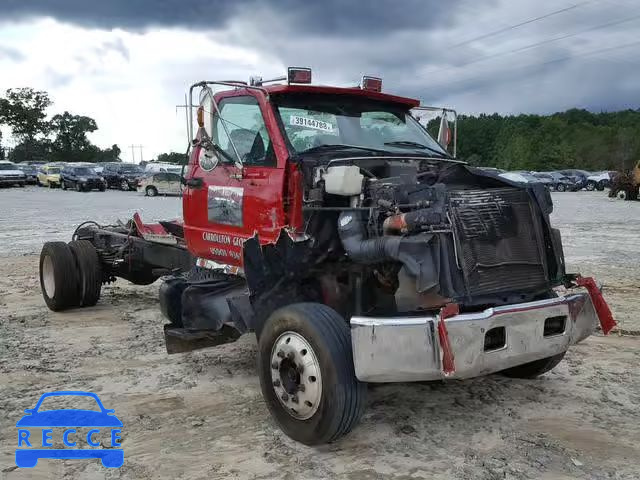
column 560, row 187
column 600, row 186
column 59, row 276
column 591, row 185
column 332, row 400
column 78, row 187
column 124, row 186
column 89, row 271
column 534, row 369
column 151, row 191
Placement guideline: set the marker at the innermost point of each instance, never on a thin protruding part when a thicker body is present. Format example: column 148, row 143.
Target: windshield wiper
column 340, row 146
column 410, row 144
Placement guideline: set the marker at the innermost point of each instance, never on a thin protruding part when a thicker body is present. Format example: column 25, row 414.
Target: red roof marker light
column 372, row 83
column 299, row 75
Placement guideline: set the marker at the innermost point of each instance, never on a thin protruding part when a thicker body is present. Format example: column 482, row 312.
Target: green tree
column 24, row 111
column 71, row 143
column 172, row 157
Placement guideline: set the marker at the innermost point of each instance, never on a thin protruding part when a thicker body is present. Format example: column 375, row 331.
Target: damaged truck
column 352, row 243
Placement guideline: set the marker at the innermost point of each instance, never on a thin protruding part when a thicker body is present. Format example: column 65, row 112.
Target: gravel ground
column 200, row 415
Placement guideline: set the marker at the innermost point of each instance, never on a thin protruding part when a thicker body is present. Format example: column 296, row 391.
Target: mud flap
column 180, row 340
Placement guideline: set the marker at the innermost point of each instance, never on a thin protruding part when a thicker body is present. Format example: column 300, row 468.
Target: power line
column 518, row 25
column 534, row 45
column 537, row 64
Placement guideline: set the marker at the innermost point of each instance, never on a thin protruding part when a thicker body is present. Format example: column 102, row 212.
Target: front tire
column 534, row 369
column 78, row 187
column 124, row 186
column 591, row 185
column 151, row 191
column 305, row 365
column 58, row 276
column 561, row 187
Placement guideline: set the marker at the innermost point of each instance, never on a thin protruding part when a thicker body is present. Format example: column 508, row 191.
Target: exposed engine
column 439, row 234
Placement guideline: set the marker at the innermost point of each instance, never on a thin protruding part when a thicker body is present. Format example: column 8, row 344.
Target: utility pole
column 133, row 156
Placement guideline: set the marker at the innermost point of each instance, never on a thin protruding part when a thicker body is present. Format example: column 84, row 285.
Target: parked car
column 520, row 177
column 579, row 177
column 124, row 176
column 30, row 171
column 160, row 183
column 82, row 179
column 10, row 174
column 558, row 182
column 49, row 176
column 598, row 181
column 162, row 167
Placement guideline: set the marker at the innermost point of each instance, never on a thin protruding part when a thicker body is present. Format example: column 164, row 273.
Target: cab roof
column 319, row 89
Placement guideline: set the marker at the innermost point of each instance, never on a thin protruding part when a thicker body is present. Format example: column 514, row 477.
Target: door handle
column 195, row 182
column 255, row 175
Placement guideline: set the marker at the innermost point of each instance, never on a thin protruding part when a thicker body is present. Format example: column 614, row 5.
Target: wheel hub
column 295, row 375
column 48, row 278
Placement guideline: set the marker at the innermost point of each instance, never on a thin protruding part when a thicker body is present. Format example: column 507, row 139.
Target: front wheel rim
column 295, row 375
column 48, row 278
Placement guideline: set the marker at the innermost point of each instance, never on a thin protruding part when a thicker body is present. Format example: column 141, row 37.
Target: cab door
column 231, row 203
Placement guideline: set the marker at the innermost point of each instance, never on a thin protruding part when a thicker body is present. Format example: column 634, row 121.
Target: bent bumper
column 405, row 349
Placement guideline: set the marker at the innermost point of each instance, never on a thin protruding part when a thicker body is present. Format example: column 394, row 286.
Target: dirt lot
column 200, row 415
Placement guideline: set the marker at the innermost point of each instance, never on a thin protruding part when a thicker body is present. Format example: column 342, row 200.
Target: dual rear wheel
column 70, row 274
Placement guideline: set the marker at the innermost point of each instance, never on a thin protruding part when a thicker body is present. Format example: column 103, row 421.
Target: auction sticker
column 311, row 123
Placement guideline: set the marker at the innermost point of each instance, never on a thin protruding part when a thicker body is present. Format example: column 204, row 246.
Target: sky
column 128, row 63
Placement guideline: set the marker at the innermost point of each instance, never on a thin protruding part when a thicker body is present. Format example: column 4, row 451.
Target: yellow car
column 49, row 176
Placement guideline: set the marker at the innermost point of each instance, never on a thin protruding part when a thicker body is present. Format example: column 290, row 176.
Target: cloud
column 114, row 59
column 13, row 54
column 338, row 16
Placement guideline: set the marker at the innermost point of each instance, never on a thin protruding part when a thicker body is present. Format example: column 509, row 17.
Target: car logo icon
column 69, row 419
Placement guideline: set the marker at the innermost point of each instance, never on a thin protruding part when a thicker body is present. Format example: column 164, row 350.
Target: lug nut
column 285, row 397
column 302, row 388
column 280, row 354
column 276, row 383
column 294, row 399
column 275, row 365
column 291, row 356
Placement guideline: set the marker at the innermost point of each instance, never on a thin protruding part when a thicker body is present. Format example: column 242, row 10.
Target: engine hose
column 370, row 251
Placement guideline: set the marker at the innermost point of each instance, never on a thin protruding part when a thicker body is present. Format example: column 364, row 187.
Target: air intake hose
column 414, row 251
column 374, row 250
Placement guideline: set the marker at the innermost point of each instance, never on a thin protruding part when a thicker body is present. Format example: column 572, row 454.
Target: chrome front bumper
column 403, row 349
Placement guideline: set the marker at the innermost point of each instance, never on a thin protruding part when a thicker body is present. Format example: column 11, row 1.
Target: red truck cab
column 227, row 201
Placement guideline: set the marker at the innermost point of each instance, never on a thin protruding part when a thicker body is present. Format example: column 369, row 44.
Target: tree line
column 572, row 139
column 63, row 137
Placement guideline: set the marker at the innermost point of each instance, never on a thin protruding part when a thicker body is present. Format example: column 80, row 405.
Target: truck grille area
column 498, row 240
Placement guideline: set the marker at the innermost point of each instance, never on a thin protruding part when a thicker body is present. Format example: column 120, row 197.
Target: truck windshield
column 84, row 171
column 312, row 121
column 8, row 166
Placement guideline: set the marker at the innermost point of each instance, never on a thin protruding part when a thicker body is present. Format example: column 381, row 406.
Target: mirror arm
column 226, row 130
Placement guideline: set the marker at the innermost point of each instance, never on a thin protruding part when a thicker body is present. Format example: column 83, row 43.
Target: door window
column 243, row 121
